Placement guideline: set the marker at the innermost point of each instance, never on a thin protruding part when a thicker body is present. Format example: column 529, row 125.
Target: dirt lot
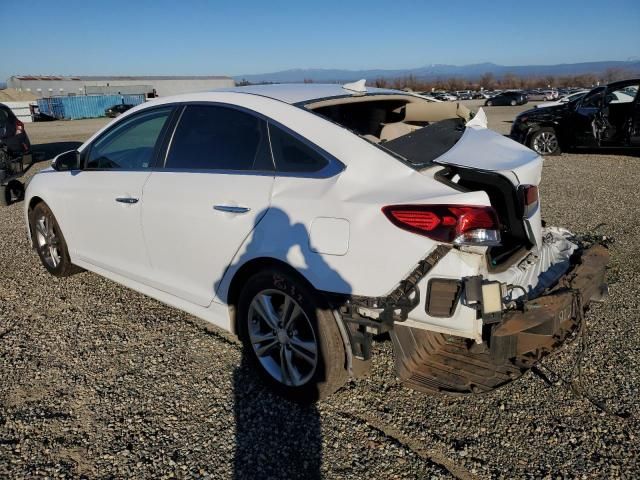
column 97, row 381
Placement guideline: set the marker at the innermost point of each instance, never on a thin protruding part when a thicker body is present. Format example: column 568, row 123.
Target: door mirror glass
column 67, row 161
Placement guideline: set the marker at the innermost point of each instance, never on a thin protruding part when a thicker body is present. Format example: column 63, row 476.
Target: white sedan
column 308, row 218
column 572, row 97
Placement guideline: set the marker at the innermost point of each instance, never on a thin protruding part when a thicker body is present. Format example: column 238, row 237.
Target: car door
column 615, row 120
column 214, row 188
column 102, row 201
column 580, row 124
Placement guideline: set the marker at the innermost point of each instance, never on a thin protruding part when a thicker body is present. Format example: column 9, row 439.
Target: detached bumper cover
column 434, row 362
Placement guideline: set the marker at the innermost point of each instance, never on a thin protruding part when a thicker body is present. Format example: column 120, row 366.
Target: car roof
column 295, row 93
column 622, row 83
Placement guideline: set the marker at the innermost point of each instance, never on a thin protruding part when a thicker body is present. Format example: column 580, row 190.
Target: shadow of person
column 276, row 438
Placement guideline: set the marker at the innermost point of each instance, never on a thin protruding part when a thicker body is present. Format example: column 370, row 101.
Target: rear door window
column 211, row 137
column 292, row 155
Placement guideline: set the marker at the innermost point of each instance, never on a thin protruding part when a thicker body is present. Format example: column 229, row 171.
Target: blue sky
column 184, row 37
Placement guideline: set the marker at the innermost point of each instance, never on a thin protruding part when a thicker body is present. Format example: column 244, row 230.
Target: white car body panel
column 484, row 149
column 180, row 250
column 189, row 242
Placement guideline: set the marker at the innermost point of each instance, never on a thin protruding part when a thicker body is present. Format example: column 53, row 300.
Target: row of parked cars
column 508, row 97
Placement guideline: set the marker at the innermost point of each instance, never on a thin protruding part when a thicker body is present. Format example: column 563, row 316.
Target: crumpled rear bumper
column 547, row 320
column 434, row 362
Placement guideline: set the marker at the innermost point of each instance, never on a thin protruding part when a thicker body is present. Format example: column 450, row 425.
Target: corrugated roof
column 134, row 78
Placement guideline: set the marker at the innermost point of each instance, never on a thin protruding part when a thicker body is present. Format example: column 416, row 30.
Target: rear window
column 420, row 148
column 293, row 155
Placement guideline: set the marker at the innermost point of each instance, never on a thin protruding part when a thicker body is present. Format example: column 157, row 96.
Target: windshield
column 574, row 96
column 420, row 148
column 592, row 99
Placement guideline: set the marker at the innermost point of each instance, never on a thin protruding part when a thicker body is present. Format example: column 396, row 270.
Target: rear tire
column 49, row 242
column 489, row 103
column 291, row 336
column 545, row 142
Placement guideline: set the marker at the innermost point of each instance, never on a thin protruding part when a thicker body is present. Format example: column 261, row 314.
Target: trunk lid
column 483, row 149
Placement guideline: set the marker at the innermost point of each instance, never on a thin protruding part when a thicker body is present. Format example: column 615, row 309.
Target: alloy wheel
column 545, row 143
column 282, row 338
column 47, row 240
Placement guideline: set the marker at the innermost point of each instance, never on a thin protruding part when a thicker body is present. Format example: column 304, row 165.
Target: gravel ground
column 100, row 382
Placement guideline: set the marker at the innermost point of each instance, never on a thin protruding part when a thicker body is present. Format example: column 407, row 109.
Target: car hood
column 483, row 149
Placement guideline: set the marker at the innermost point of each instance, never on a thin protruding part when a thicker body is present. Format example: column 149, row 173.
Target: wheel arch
column 33, row 201
column 546, row 124
column 257, row 264
column 247, row 270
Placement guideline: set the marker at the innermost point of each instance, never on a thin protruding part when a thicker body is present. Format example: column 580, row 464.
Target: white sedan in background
column 564, row 99
column 307, row 218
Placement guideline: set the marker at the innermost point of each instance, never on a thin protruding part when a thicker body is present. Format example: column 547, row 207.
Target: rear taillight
column 529, row 196
column 459, row 224
column 19, row 127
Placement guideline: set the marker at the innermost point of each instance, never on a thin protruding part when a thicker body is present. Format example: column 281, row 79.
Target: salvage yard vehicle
column 308, row 218
column 15, row 156
column 607, row 116
column 570, row 97
column 512, row 98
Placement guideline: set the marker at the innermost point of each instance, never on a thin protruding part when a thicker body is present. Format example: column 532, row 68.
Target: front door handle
column 127, row 200
column 231, row 209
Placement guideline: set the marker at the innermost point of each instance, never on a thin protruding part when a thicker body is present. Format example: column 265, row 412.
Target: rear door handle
column 127, row 200
column 231, row 209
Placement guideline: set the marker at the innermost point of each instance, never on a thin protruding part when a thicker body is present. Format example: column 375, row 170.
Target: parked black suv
column 15, row 153
column 607, row 116
column 507, row 98
column 12, row 133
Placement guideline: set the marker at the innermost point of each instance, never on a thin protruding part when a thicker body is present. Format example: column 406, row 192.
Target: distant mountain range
column 438, row 71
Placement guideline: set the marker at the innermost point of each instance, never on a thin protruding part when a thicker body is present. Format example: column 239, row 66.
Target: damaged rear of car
column 308, row 218
column 495, row 291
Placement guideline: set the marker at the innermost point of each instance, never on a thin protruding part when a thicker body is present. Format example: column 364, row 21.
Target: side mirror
column 66, row 161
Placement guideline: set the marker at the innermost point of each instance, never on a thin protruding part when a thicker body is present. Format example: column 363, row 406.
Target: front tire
column 49, row 242
column 545, row 142
column 513, row 103
column 291, row 336
column 489, row 103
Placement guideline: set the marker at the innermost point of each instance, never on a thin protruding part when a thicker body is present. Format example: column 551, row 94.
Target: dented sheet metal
column 543, row 266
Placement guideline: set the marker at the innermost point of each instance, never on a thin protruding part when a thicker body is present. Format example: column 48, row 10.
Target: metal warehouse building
column 49, row 86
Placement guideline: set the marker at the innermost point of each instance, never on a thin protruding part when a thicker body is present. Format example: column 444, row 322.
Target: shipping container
column 89, row 106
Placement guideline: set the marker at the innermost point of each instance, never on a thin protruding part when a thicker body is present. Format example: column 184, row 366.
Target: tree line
column 489, row 81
